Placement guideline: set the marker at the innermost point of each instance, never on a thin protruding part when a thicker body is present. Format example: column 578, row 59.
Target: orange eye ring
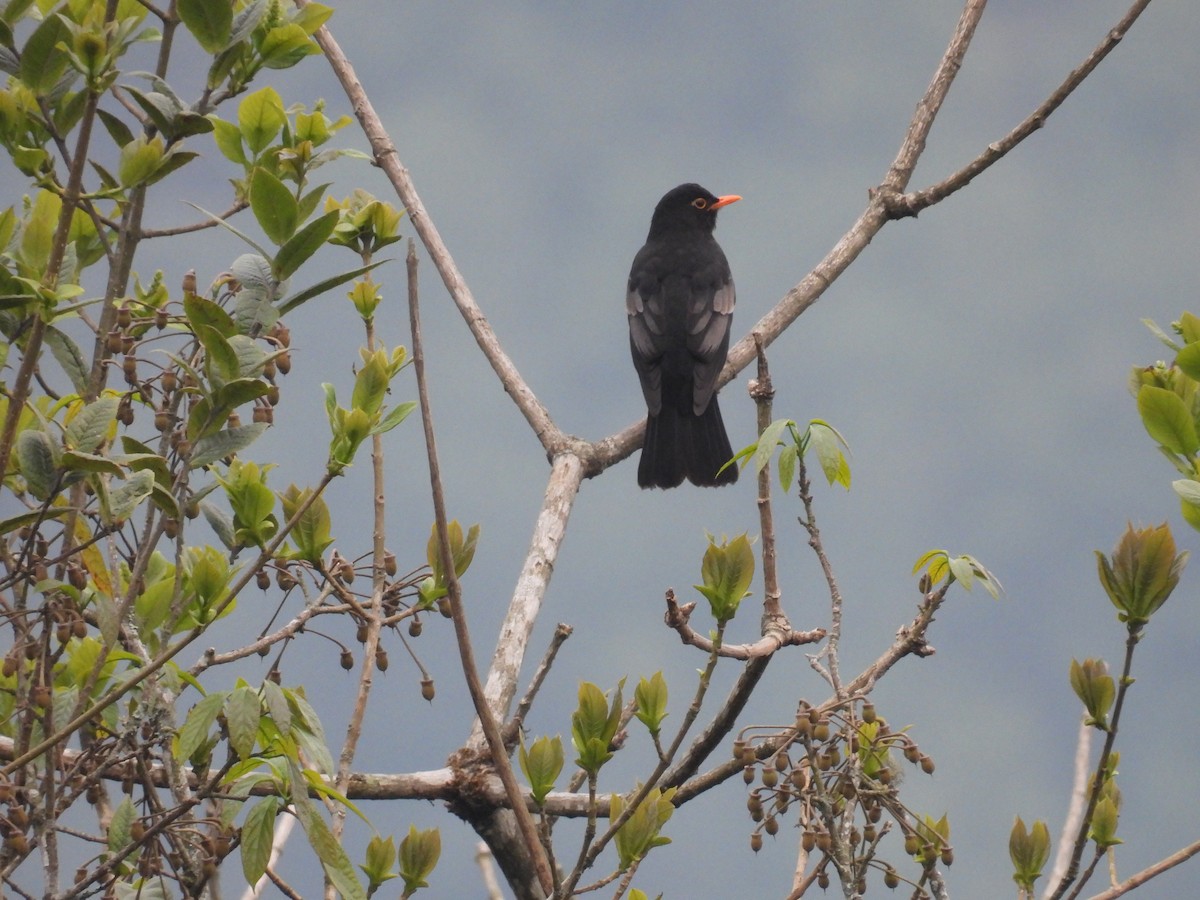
column 700, row 203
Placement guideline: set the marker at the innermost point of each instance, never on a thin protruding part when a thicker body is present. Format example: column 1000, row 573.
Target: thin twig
column 1099, row 779
column 778, row 634
column 389, row 161
column 1076, row 806
column 487, row 720
column 373, row 615
column 833, row 647
column 561, row 633
column 1179, row 856
column 912, row 203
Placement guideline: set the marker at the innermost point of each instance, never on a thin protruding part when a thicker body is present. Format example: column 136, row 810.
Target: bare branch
column 1149, row 872
column 487, row 718
column 913, row 203
column 388, row 160
column 778, row 634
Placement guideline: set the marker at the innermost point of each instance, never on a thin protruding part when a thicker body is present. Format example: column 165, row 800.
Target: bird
column 680, row 300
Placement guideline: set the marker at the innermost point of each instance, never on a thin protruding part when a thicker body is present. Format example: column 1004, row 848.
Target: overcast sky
column 975, row 359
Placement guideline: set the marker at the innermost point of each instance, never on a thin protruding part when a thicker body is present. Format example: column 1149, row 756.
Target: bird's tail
column 681, row 445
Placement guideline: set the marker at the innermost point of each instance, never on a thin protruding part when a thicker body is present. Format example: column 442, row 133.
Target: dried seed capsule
column 427, row 688
column 347, row 660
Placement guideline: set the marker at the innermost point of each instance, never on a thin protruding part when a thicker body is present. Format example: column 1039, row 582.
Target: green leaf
column 120, row 825
column 277, row 705
column 273, row 205
column 419, row 853
column 42, row 62
column 258, row 833
column 117, row 129
column 208, row 450
column 220, row 359
column 322, row 286
column 70, row 357
column 381, row 860
column 89, row 426
column 197, row 725
column 12, row 523
column 651, row 697
column 242, row 714
column 228, row 139
column 1189, row 328
column 286, row 45
column 161, row 109
column 301, row 246
column 1188, row 359
column 202, row 311
column 334, row 860
column 36, row 460
column 125, row 498
column 394, row 417
column 1029, row 851
column 829, row 446
column 726, row 573
column 787, row 467
column 76, row 463
column 209, row 21
column 767, row 442
column 260, row 116
column 312, row 530
column 1167, row 420
column 640, row 833
column 542, row 763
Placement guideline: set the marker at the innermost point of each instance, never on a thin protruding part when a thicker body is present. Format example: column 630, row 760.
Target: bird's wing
column 646, row 322
column 710, row 314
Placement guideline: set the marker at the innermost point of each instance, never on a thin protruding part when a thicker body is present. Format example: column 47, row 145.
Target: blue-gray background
column 976, row 360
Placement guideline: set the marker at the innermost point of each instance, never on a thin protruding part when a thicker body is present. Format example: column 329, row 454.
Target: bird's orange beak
column 725, row 201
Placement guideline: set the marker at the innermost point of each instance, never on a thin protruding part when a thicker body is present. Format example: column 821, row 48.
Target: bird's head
column 688, row 207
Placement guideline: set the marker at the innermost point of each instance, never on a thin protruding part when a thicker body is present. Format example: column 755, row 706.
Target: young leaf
column 209, row 22
column 273, row 205
column 89, row 427
column 303, row 244
column 1167, row 420
column 258, row 831
column 260, row 116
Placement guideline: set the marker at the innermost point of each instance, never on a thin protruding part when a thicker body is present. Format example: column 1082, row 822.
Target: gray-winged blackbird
column 680, row 305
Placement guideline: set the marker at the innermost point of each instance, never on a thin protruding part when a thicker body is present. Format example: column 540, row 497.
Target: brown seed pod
column 415, row 627
column 427, row 688
column 756, row 842
column 347, row 660
column 381, row 658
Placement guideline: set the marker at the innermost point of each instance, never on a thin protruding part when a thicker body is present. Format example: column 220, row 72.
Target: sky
column 975, row 359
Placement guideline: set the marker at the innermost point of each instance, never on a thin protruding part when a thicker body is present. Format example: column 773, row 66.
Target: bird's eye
column 700, row 203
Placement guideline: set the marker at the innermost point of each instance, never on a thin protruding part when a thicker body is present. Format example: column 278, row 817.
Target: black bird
column 680, row 304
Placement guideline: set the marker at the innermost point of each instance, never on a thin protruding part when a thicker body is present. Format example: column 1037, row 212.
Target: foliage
column 134, row 517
